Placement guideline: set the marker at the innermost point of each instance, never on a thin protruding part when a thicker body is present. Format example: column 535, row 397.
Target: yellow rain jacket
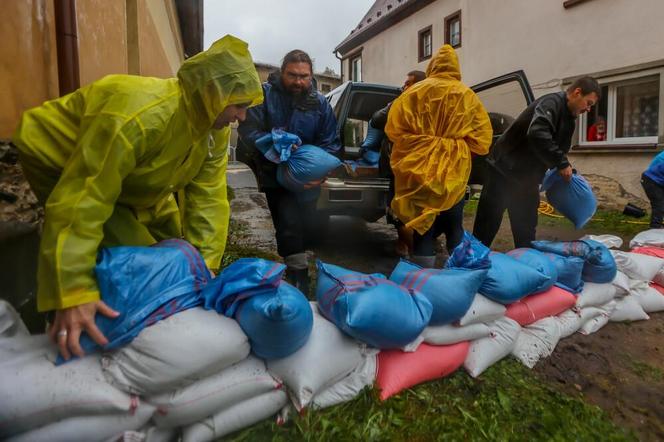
column 107, row 159
column 434, row 126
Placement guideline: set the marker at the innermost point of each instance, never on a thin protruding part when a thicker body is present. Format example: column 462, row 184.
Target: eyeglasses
column 294, row 76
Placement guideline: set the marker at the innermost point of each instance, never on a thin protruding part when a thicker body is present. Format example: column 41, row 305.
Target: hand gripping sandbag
column 369, row 307
column 508, row 280
column 574, row 199
column 469, row 254
column 306, row 168
column 146, row 285
column 450, row 291
column 537, row 260
column 569, row 269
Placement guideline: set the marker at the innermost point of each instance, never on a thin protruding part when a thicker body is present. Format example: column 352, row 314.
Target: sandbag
column 508, row 280
column 277, row 145
column 482, row 310
column 236, row 417
column 610, row 241
column 569, row 270
column 656, row 252
column 398, row 370
column 600, row 267
column 537, row 341
column 90, row 428
column 234, row 384
column 485, row 352
column 628, row 309
column 638, row 266
column 563, row 248
column 34, row 392
column 10, row 321
column 470, row 253
column 349, row 387
column 367, row 307
column 596, row 294
column 532, row 308
column 652, row 237
column 537, row 260
column 594, row 318
column 307, row 167
column 277, row 323
column 149, row 433
column 622, row 284
column 176, row 352
column 574, row 199
column 569, row 322
column 650, row 297
column 450, row 291
column 449, row 334
column 327, row 357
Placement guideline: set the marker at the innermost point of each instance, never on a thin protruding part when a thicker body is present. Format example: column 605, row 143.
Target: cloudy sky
column 273, row 28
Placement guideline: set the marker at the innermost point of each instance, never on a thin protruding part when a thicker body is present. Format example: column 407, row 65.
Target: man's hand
column 566, row 173
column 70, row 322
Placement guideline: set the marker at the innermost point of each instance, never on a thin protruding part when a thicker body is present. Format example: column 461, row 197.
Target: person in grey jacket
column 538, row 140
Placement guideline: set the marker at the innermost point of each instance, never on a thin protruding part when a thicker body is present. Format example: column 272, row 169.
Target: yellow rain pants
column 107, row 159
column 434, row 126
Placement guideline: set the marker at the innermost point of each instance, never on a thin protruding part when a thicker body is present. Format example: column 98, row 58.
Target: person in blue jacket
column 652, row 181
column 290, row 103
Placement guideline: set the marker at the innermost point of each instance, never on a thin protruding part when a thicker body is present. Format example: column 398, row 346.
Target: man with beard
column 290, row 103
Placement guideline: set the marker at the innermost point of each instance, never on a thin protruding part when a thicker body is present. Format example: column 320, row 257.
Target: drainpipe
column 341, row 65
column 67, row 44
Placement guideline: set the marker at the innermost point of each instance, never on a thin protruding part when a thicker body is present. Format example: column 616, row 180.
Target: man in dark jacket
column 538, row 140
column 290, row 103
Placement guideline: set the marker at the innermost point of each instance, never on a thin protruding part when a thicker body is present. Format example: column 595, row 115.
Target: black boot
column 299, row 278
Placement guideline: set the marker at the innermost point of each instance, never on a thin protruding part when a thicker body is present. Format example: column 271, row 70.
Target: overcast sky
column 274, row 27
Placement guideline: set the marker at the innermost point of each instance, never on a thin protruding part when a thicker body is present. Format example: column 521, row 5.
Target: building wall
column 116, row 37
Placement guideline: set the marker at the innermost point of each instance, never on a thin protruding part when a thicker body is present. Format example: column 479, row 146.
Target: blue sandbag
column 306, row 168
column 144, row 284
column 600, row 267
column 537, row 260
column 370, row 308
column 569, row 270
column 450, row 291
column 508, row 280
column 469, row 254
column 574, row 199
column 277, row 145
column 277, row 323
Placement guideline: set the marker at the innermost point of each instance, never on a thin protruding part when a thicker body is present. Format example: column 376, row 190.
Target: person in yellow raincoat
column 106, row 161
column 435, row 126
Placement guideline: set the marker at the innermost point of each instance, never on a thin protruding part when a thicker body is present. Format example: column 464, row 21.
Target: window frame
column 448, row 23
column 420, row 43
column 351, row 67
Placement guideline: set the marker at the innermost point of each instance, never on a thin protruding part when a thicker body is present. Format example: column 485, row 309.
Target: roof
column 382, row 15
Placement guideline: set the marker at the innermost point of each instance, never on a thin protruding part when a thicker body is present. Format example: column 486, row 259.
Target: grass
column 646, row 371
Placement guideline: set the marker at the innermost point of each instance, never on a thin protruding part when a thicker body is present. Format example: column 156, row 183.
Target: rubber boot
column 426, row 262
column 297, row 271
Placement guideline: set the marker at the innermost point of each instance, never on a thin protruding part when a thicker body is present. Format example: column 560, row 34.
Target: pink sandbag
column 657, row 287
column 649, row 250
column 398, row 370
column 535, row 307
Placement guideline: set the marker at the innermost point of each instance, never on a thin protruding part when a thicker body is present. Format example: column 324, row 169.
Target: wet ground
column 620, row 368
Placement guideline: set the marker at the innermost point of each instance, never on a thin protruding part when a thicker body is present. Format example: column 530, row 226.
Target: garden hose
column 548, row 210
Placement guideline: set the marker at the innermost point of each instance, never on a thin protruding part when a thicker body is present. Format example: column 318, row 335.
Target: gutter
column 67, row 45
column 341, row 65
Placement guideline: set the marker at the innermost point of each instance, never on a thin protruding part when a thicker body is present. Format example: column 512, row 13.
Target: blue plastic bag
column 370, row 308
column 469, row 254
column 277, row 322
column 575, row 200
column 508, row 280
column 569, row 270
column 145, row 284
column 600, row 266
column 450, row 291
column 306, row 168
column 537, row 260
column 277, row 145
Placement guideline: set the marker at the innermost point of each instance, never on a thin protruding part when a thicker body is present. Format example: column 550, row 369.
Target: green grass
column 646, row 371
column 507, row 402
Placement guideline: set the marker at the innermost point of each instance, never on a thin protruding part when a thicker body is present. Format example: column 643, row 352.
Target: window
column 325, row 88
column 361, row 108
column 453, row 29
column 424, row 44
column 356, row 68
column 627, row 113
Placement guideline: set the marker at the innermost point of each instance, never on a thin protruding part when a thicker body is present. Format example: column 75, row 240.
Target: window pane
column 356, row 69
column 455, row 32
column 427, row 44
column 503, row 103
column 637, row 109
column 596, row 119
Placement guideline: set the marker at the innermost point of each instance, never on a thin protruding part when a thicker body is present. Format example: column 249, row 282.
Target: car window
column 363, row 104
column 504, row 103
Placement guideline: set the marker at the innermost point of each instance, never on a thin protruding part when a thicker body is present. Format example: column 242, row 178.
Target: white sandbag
column 638, row 266
column 482, row 310
column 235, row 418
column 569, row 322
column 149, row 433
column 659, row 277
column 328, row 356
column 449, row 334
column 203, row 398
column 610, row 241
column 487, row 351
column 34, row 392
column 90, row 428
column 349, row 387
column 652, row 237
column 10, row 322
column 594, row 318
column 622, row 284
column 595, row 294
column 176, row 352
column 649, row 298
column 628, row 309
column 536, row 341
